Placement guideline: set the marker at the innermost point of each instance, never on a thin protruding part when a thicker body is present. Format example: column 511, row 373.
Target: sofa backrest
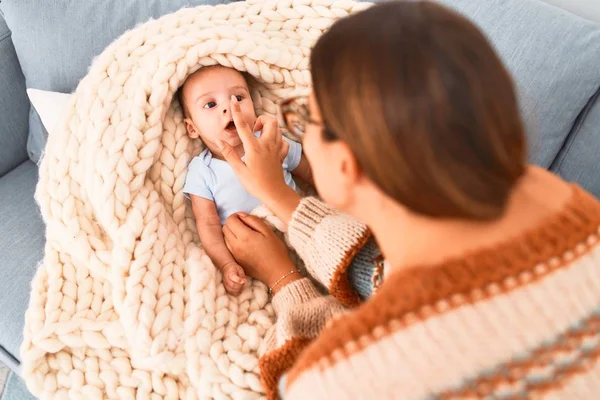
column 56, row 41
column 14, row 105
column 552, row 54
column 578, row 159
column 588, row 9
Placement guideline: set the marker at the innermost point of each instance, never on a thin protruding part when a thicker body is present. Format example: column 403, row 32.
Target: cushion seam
column 572, row 136
column 7, row 35
column 8, row 353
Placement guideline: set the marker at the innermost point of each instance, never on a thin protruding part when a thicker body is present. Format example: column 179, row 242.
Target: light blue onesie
column 215, row 180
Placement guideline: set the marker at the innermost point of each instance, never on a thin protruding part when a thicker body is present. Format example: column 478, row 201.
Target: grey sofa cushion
column 551, row 53
column 14, row 105
column 56, row 41
column 21, row 249
column 588, row 9
column 579, row 161
column 553, row 56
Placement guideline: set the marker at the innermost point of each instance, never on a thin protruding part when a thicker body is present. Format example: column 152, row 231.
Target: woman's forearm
column 283, row 202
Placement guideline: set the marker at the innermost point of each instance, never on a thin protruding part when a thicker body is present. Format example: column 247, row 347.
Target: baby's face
column 207, row 94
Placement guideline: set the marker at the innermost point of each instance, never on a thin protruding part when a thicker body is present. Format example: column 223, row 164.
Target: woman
column 492, row 280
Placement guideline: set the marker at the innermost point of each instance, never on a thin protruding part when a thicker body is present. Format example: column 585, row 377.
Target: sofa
column 553, row 55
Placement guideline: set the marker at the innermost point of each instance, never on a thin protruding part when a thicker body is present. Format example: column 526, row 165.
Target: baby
column 211, row 183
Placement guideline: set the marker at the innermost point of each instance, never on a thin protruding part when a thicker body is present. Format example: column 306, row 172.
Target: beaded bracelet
column 282, row 278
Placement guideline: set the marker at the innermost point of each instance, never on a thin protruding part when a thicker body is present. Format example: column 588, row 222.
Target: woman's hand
column 261, row 173
column 256, row 248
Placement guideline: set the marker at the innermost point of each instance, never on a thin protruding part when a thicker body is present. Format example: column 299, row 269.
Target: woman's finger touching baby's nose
column 241, row 126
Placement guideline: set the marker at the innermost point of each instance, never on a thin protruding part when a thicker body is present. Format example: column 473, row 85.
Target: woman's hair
column 426, row 106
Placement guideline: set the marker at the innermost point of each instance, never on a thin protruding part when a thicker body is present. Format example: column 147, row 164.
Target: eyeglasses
column 293, row 116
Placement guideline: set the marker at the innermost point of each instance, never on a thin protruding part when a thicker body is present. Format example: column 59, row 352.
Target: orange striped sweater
column 520, row 320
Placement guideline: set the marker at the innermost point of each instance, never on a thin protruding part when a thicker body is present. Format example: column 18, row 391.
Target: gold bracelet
column 282, row 278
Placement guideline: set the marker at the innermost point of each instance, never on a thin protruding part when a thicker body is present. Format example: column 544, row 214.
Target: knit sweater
column 517, row 320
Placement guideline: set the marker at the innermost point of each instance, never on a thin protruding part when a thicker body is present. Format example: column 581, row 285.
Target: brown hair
column 426, row 106
column 181, row 98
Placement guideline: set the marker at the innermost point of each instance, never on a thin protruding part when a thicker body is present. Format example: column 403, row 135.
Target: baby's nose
column 225, row 110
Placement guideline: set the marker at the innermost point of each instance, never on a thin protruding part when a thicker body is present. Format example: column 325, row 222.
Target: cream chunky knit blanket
column 126, row 304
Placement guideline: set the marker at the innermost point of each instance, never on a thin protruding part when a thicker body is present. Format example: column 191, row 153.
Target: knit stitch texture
column 126, row 304
column 516, row 320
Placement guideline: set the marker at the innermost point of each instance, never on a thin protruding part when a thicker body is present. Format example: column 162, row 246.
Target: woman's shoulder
column 535, row 286
column 551, row 212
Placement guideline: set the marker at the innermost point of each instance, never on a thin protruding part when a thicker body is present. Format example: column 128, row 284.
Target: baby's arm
column 213, row 242
column 303, row 171
column 290, row 150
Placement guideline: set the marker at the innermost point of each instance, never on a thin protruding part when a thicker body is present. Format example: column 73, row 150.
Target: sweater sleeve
column 302, row 313
column 328, row 243
column 338, row 251
column 364, row 273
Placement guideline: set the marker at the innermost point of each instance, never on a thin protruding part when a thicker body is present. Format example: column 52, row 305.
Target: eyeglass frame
column 284, row 107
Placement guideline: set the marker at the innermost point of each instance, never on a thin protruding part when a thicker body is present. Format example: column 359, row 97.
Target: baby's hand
column 234, row 278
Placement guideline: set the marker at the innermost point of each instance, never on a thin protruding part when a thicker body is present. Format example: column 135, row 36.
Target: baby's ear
column 191, row 128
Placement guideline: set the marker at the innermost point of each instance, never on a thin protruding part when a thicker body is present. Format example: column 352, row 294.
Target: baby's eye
column 239, row 98
column 210, row 104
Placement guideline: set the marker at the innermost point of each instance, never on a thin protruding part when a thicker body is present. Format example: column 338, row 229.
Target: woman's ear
column 340, row 177
column 191, row 128
column 349, row 168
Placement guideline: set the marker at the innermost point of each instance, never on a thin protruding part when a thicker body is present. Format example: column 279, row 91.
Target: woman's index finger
column 243, row 129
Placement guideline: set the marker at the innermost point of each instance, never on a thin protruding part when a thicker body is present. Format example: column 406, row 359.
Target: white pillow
column 49, row 106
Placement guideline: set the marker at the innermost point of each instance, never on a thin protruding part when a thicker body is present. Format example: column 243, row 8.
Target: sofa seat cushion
column 21, row 247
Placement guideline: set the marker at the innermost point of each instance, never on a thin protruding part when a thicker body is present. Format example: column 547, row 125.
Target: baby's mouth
column 231, row 127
